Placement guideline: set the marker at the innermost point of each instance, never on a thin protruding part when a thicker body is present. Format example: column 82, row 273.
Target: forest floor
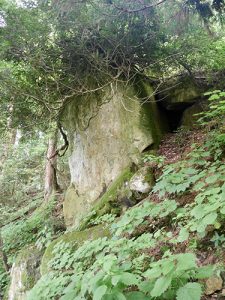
column 178, row 228
column 176, row 147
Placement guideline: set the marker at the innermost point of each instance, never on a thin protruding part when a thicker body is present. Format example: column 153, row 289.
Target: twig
column 139, row 9
column 64, row 147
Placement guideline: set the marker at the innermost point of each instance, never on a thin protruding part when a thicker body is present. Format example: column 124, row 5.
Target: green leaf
column 108, row 265
column 208, row 93
column 198, row 212
column 191, row 291
column 129, row 279
column 115, row 279
column 217, row 225
column 214, row 97
column 107, row 297
column 167, row 267
column 99, row 292
column 119, row 296
column 212, row 179
column 136, row 296
column 153, row 273
column 146, row 286
column 161, row 285
column 201, row 230
column 204, row 272
column 185, row 261
column 199, row 186
column 183, row 235
column 209, row 219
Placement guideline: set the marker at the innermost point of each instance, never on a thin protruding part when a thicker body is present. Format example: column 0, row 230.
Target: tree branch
column 64, row 147
column 139, row 9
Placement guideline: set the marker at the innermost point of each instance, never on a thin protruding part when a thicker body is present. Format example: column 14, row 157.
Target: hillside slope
column 170, row 245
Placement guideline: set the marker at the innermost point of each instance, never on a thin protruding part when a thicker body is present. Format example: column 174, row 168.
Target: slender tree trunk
column 3, row 255
column 207, row 28
column 10, row 134
column 51, row 183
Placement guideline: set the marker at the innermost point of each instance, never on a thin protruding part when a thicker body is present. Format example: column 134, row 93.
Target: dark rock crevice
column 174, row 114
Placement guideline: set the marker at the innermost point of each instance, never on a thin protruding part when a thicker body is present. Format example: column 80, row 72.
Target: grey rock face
column 24, row 273
column 142, row 181
column 107, row 132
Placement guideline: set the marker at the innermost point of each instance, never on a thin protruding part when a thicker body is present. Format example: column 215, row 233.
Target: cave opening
column 173, row 114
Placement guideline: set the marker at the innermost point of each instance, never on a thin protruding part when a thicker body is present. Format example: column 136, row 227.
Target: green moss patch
column 153, row 120
column 110, row 201
column 30, row 257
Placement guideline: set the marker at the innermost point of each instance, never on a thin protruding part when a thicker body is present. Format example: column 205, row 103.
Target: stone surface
column 142, row 181
column 73, row 204
column 107, row 131
column 115, row 200
column 75, row 239
column 189, row 119
column 182, row 91
column 25, row 273
column 213, row 284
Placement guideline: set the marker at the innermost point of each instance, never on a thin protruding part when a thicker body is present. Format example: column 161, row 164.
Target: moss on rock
column 25, row 272
column 189, row 118
column 180, row 92
column 31, row 256
column 114, row 125
column 113, row 192
column 152, row 120
column 73, row 203
column 75, row 239
column 110, row 202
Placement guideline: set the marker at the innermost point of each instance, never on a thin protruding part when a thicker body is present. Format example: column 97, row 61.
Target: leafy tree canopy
column 51, row 50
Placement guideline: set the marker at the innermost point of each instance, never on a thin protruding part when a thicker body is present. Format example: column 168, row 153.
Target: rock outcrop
column 180, row 92
column 25, row 273
column 142, row 181
column 107, row 131
column 190, row 115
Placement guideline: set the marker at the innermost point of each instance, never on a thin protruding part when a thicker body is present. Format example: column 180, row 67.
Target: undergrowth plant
column 4, row 279
column 152, row 159
column 214, row 115
column 151, row 252
column 44, row 237
column 28, row 230
column 120, row 267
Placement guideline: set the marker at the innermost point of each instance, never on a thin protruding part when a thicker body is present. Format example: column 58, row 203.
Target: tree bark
column 51, row 183
column 3, row 255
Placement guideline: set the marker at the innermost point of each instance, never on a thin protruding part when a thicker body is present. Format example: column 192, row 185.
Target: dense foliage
column 23, row 213
column 52, row 50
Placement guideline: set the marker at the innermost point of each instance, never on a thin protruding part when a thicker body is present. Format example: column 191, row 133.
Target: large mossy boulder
column 75, row 239
column 25, row 273
column 107, row 131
